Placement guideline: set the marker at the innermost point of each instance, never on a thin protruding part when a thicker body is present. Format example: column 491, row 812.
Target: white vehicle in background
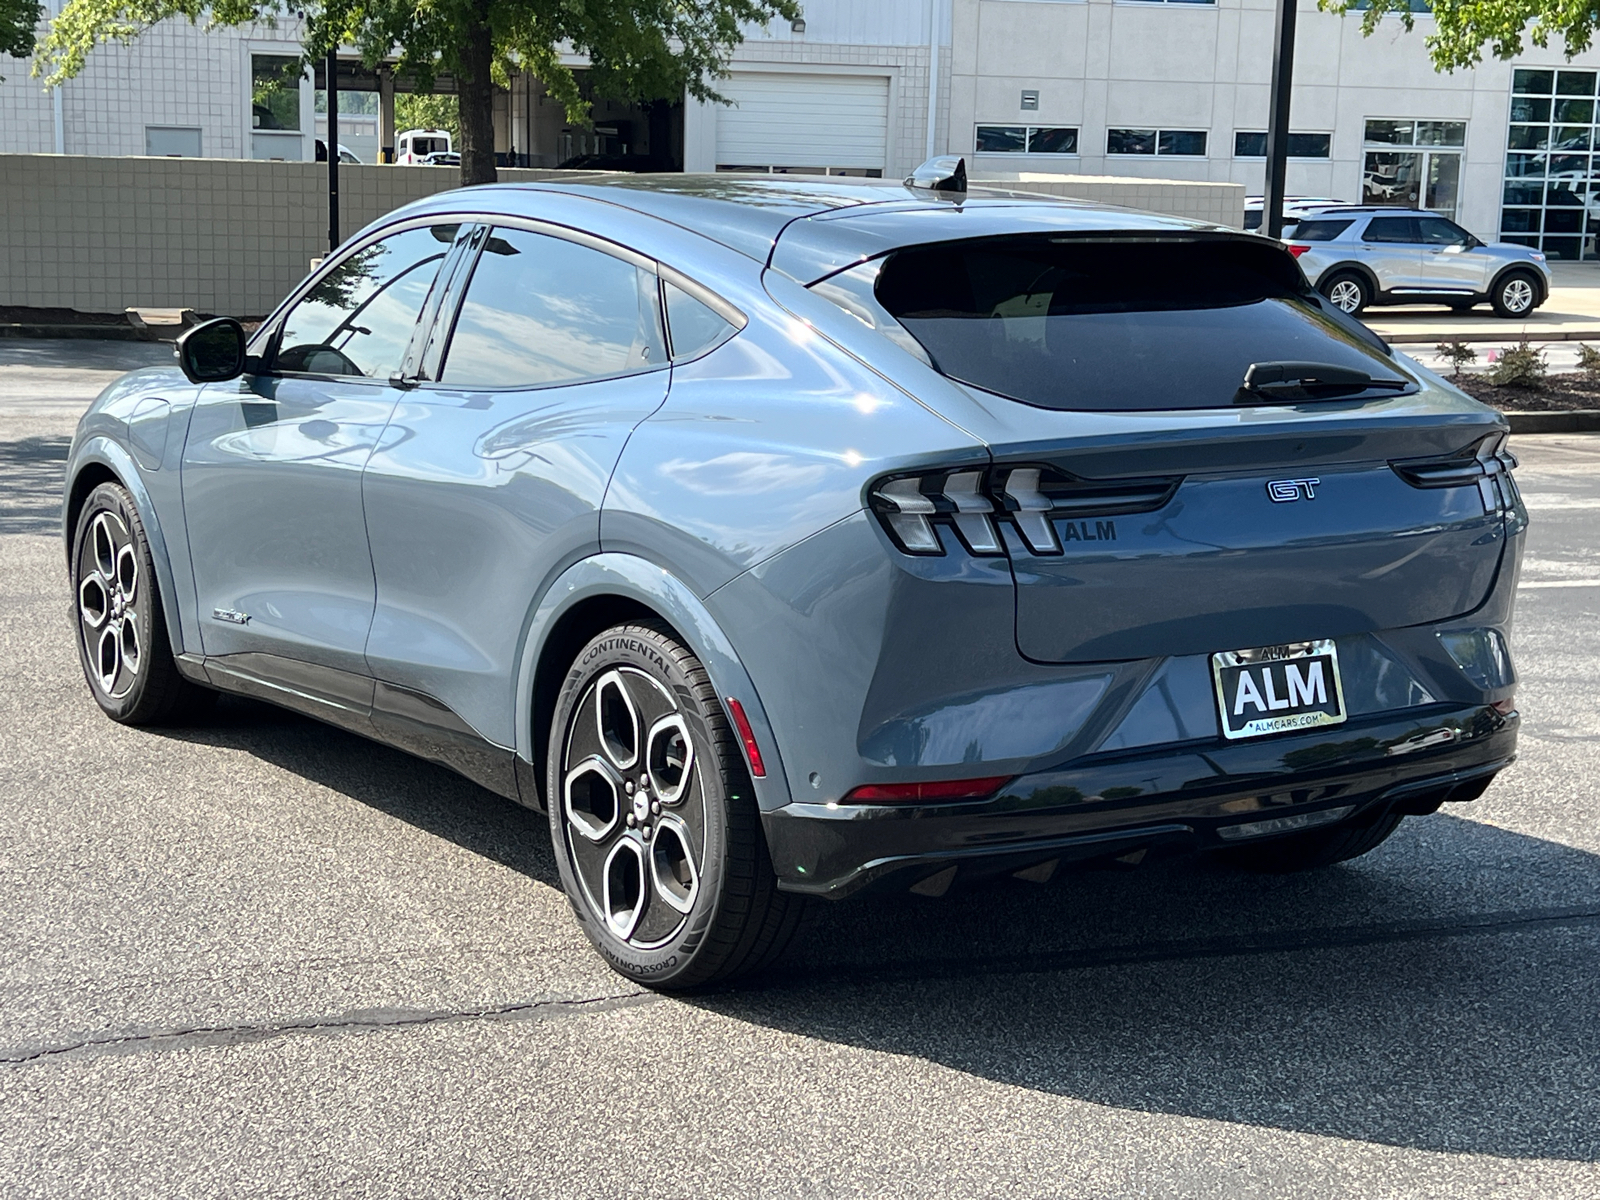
column 415, row 145
column 1294, row 207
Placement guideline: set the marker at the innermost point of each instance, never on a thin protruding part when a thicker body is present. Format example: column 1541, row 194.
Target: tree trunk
column 476, row 97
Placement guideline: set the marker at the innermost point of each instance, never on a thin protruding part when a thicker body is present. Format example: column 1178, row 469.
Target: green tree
column 1462, row 28
column 18, row 19
column 638, row 50
column 424, row 110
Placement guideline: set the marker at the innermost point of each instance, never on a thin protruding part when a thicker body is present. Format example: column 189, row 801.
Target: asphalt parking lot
column 263, row 957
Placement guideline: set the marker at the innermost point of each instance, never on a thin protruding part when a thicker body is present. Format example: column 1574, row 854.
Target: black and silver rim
column 1517, row 295
column 633, row 807
column 1346, row 295
column 109, row 604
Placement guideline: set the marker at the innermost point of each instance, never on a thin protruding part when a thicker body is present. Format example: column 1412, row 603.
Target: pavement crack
column 359, row 1020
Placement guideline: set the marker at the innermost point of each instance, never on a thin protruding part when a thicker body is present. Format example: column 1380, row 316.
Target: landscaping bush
column 1521, row 366
column 1459, row 354
column 1589, row 361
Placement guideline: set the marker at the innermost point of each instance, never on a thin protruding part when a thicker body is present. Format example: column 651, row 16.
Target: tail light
column 945, row 789
column 1297, row 248
column 977, row 502
column 1486, row 463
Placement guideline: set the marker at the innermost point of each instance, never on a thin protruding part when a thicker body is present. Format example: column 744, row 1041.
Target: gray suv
column 1361, row 256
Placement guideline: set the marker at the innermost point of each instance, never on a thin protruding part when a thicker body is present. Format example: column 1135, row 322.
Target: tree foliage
column 18, row 19
column 1462, row 28
column 638, row 50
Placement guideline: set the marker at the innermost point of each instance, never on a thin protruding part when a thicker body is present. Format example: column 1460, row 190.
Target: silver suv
column 1362, row 256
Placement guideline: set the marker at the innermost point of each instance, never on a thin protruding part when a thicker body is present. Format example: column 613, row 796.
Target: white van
column 414, row 145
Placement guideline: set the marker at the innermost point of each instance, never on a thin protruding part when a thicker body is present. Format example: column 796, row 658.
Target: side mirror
column 213, row 352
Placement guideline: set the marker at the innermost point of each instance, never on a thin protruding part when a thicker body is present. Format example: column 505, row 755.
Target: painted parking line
column 1557, row 583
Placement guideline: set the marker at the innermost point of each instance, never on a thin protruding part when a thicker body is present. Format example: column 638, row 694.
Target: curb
column 109, row 333
column 1472, row 335
column 1582, row 420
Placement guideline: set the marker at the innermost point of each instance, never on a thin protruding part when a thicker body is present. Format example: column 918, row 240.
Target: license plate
column 1273, row 689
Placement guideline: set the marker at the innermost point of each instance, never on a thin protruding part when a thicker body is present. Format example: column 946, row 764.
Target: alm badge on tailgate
column 1278, row 688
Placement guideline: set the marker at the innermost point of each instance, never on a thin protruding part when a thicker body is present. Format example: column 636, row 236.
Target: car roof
column 846, row 219
column 1356, row 210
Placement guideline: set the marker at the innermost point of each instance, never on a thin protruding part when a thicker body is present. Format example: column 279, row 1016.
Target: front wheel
column 1348, row 292
column 654, row 819
column 116, row 607
column 1515, row 295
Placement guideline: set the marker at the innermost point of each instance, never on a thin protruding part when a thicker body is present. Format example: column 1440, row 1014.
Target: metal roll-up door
column 793, row 120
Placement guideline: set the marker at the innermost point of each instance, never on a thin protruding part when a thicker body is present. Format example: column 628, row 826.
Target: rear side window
column 1320, row 231
column 1391, row 229
column 540, row 310
column 695, row 327
column 1113, row 325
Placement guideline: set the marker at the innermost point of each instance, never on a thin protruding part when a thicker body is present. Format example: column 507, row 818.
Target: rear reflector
column 1297, row 250
column 948, row 789
column 748, row 737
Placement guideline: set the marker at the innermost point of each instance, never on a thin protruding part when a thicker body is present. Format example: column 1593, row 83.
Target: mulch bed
column 1558, row 393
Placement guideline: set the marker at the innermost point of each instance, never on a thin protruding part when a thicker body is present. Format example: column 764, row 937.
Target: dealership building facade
column 1172, row 89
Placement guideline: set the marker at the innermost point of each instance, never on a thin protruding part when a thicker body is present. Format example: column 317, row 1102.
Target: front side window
column 1436, row 231
column 358, row 318
column 1185, row 143
column 540, row 310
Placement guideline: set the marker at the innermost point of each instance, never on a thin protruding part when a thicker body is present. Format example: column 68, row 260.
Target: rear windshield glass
column 1115, row 324
column 1320, row 231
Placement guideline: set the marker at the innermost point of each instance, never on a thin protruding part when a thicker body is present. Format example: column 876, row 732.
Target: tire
column 1515, row 295
column 1348, row 291
column 1314, row 848
column 654, row 818
column 116, row 609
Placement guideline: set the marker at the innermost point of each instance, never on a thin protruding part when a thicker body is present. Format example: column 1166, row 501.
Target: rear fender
column 626, row 577
column 119, row 462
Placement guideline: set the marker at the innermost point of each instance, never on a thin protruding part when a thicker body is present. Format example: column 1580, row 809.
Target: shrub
column 1589, row 360
column 1521, row 366
column 1459, row 354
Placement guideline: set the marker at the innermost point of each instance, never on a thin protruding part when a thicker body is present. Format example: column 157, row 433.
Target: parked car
column 414, row 145
column 785, row 537
column 1294, row 207
column 346, row 155
column 1364, row 256
column 443, row 158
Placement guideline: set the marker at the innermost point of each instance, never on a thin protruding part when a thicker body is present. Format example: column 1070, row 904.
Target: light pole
column 331, row 70
column 1278, row 120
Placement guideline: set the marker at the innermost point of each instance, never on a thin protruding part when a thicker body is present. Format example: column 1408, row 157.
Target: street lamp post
column 1278, row 121
column 332, row 143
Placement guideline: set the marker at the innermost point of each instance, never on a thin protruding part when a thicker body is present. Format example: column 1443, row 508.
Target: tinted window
column 1002, row 139
column 358, row 318
column 1130, row 141
column 1436, row 231
column 1182, row 141
column 1390, row 229
column 540, row 310
column 1320, row 231
column 695, row 327
column 1108, row 326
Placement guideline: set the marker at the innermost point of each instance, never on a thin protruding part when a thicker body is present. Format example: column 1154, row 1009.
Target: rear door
column 1391, row 248
column 272, row 465
column 490, row 476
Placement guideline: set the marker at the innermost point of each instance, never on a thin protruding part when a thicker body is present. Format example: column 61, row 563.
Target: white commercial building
column 1170, row 89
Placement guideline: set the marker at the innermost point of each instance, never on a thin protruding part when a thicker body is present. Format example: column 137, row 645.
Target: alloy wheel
column 1517, row 295
column 633, row 807
column 109, row 604
column 1346, row 295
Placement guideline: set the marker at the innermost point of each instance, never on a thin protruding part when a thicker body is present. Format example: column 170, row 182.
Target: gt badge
column 1285, row 491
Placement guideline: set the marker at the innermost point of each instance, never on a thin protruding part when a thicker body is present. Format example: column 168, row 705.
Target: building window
column 1026, row 139
column 1176, row 143
column 1301, row 145
column 1413, row 164
column 275, row 92
column 1551, row 196
column 170, row 141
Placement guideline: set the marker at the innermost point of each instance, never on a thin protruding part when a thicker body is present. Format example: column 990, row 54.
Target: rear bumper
column 1175, row 800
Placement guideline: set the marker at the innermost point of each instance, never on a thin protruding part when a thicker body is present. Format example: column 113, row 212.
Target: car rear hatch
column 1201, row 456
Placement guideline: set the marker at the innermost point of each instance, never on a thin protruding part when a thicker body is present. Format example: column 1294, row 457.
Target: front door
column 489, row 480
column 272, row 465
column 1451, row 258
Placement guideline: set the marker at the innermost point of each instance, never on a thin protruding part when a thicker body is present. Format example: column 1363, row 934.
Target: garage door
column 791, row 120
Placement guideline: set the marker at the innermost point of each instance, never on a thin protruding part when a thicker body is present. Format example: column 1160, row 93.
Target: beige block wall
column 232, row 236
column 1218, row 203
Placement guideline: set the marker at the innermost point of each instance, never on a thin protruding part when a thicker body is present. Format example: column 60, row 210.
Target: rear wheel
column 654, row 819
column 1348, row 291
column 116, row 607
column 1515, row 295
column 1315, row 847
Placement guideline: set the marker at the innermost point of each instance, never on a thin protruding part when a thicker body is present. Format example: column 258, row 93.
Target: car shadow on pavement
column 1439, row 994
column 430, row 797
column 30, row 496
